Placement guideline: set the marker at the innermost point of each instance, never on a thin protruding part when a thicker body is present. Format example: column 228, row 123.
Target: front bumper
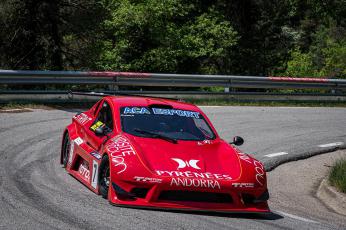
column 159, row 196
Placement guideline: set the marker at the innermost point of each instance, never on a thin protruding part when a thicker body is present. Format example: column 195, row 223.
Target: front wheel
column 104, row 178
column 66, row 146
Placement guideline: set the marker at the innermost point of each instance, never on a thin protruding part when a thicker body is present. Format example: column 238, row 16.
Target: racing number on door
column 95, row 174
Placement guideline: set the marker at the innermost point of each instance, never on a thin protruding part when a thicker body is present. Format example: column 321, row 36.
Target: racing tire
column 66, row 148
column 104, row 178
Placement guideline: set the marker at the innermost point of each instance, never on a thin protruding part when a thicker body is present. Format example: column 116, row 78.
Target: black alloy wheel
column 66, row 147
column 104, row 178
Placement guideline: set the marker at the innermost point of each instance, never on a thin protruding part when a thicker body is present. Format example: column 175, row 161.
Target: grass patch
column 337, row 176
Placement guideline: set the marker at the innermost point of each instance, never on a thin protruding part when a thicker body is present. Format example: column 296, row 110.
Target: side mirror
column 99, row 131
column 237, row 141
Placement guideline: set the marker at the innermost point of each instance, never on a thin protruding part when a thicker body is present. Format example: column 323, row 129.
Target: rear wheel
column 104, row 178
column 66, row 147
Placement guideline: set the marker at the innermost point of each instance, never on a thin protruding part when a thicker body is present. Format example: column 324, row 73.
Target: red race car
column 159, row 153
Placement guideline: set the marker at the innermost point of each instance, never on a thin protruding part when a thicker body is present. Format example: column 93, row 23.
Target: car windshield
column 165, row 123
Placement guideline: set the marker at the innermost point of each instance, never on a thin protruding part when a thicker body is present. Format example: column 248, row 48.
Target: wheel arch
column 110, row 165
column 100, row 188
column 71, row 131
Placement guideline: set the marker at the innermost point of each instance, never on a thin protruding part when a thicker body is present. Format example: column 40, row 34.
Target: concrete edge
column 331, row 197
column 21, row 110
column 271, row 165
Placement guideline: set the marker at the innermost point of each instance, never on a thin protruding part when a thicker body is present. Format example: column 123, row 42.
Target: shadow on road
column 251, row 216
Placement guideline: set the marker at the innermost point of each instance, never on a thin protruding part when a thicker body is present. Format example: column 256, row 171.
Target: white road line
column 297, row 217
column 331, row 144
column 275, row 154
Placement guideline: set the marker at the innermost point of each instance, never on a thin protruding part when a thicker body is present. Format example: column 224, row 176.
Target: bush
column 337, row 176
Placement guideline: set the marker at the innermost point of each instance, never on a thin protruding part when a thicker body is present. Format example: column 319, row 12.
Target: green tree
column 301, row 65
column 47, row 34
column 326, row 56
column 165, row 36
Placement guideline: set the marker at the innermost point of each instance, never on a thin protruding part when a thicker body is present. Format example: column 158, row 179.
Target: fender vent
column 207, row 197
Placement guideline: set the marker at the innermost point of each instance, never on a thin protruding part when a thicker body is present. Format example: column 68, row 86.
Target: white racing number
column 94, row 174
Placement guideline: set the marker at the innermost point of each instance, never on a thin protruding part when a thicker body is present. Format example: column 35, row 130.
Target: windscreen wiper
column 156, row 135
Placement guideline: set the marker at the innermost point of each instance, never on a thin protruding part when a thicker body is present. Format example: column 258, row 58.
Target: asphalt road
column 36, row 192
column 295, row 131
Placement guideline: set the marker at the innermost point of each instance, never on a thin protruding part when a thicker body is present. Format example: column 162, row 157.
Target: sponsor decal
column 98, row 124
column 119, row 163
column 205, row 142
column 183, row 164
column 160, row 111
column 95, row 173
column 147, row 179
column 181, row 113
column 82, row 118
column 136, row 110
column 243, row 185
column 259, row 169
column 84, row 172
column 96, row 155
column 259, row 172
column 188, row 174
column 244, row 157
column 120, row 148
column 194, row 182
column 78, row 141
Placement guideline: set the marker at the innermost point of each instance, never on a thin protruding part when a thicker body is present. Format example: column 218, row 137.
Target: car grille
column 195, row 196
column 140, row 192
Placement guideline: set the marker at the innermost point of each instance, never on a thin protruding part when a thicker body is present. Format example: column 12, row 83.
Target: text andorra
column 197, row 183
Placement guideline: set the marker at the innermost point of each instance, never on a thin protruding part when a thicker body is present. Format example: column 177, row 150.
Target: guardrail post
column 115, row 87
column 228, row 89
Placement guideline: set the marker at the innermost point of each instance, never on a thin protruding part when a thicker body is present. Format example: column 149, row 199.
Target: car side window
column 97, row 107
column 105, row 115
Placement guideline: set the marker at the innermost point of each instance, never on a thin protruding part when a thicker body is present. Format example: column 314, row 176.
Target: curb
column 270, row 165
column 331, row 197
column 21, row 110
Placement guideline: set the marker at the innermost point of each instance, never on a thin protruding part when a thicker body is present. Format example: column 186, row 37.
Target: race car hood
column 214, row 159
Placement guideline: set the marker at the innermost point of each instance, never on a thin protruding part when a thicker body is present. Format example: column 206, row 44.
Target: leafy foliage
column 326, row 56
column 246, row 37
column 47, row 34
column 337, row 175
column 167, row 36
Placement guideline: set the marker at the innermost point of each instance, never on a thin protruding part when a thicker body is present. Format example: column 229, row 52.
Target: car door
column 104, row 118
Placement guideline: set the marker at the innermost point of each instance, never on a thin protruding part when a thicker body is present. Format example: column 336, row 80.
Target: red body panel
column 169, row 174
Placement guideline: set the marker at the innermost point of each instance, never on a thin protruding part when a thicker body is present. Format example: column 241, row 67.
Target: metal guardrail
column 331, row 87
column 11, row 77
